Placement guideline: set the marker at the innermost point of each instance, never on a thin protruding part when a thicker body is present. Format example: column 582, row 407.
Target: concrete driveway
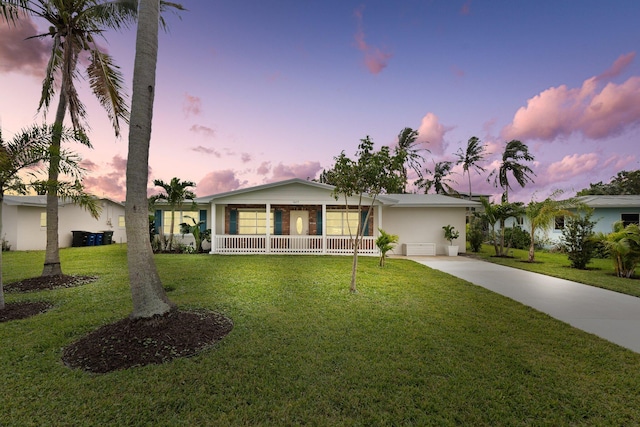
column 607, row 314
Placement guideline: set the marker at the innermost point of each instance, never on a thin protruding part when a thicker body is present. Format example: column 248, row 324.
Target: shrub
column 517, row 238
column 475, row 235
column 578, row 240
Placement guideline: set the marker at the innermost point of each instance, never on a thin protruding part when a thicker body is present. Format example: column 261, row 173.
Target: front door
column 299, row 225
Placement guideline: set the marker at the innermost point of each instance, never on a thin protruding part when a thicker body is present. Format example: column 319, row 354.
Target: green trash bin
column 108, row 237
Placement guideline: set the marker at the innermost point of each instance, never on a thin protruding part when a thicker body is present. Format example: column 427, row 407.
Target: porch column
column 324, row 228
column 267, row 244
column 213, row 229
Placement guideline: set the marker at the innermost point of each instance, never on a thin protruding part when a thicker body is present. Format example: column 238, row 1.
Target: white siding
column 424, row 225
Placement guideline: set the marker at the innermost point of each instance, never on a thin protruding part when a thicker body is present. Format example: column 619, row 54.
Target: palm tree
column 470, row 157
column 440, row 182
column 175, row 194
column 149, row 298
column 24, row 153
column 408, row 155
column 73, row 26
column 541, row 216
column 514, row 153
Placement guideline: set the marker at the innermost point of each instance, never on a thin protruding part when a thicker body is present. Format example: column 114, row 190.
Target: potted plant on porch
column 450, row 233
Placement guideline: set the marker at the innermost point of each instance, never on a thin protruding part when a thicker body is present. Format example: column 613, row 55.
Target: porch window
column 43, row 219
column 630, row 218
column 338, row 223
column 559, row 223
column 255, row 222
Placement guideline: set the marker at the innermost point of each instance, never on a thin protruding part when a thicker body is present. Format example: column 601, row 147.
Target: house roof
column 431, row 200
column 620, row 201
column 396, row 200
column 41, row 201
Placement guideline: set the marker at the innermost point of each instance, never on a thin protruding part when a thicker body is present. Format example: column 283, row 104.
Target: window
column 179, row 218
column 254, row 222
column 121, row 221
column 559, row 223
column 630, row 218
column 520, row 220
column 43, row 219
column 338, row 223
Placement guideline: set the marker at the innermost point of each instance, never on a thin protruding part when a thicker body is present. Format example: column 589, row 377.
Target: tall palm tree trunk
column 1, row 287
column 149, row 298
column 52, row 265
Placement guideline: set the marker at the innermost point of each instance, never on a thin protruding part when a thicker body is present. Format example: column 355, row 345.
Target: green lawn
column 599, row 272
column 413, row 347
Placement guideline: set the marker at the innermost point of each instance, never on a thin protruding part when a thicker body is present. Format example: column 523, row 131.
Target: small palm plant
column 624, row 246
column 385, row 242
column 450, row 233
column 196, row 228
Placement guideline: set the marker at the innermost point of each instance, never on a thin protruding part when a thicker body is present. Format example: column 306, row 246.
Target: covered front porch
column 320, row 229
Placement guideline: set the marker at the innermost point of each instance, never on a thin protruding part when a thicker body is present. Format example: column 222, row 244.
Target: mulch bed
column 129, row 343
column 42, row 283
column 22, row 310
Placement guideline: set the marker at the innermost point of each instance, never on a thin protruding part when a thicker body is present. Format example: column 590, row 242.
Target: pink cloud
column 111, row 185
column 191, row 105
column 203, row 130
column 245, row 157
column 264, row 168
column 19, row 55
column 306, row 170
column 431, row 133
column 88, row 165
column 571, row 166
column 591, row 110
column 457, row 71
column 217, row 182
column 618, row 66
column 375, row 59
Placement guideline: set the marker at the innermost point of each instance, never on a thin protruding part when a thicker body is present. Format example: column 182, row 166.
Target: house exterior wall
column 424, row 225
column 21, row 224
column 9, row 231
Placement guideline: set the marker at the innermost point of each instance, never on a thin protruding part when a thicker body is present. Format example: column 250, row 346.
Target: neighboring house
column 607, row 210
column 24, row 221
column 304, row 218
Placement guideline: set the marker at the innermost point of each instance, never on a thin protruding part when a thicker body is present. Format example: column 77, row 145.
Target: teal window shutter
column 157, row 220
column 277, row 216
column 363, row 217
column 233, row 222
column 319, row 223
column 203, row 220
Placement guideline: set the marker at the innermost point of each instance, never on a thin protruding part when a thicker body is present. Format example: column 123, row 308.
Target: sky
column 250, row 92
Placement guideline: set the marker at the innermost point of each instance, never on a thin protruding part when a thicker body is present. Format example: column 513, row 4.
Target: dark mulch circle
column 48, row 282
column 130, row 343
column 22, row 310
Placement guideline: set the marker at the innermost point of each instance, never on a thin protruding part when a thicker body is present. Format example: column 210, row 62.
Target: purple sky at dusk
column 250, row 92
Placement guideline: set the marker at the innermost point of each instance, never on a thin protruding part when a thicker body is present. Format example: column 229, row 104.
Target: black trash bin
column 108, row 237
column 79, row 238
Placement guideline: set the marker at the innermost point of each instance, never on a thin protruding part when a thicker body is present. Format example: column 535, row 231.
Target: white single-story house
column 24, row 222
column 302, row 217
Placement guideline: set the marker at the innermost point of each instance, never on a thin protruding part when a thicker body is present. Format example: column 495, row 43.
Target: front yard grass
column 413, row 347
column 599, row 272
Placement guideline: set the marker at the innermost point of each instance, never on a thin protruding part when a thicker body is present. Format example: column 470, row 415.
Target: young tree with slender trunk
column 370, row 175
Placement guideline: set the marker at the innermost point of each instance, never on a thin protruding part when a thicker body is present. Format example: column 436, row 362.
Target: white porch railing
column 335, row 245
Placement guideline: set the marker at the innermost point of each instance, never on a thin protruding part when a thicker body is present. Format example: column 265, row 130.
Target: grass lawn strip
column 413, row 347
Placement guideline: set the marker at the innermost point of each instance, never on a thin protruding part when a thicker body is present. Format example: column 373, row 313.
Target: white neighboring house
column 24, row 221
column 304, row 218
